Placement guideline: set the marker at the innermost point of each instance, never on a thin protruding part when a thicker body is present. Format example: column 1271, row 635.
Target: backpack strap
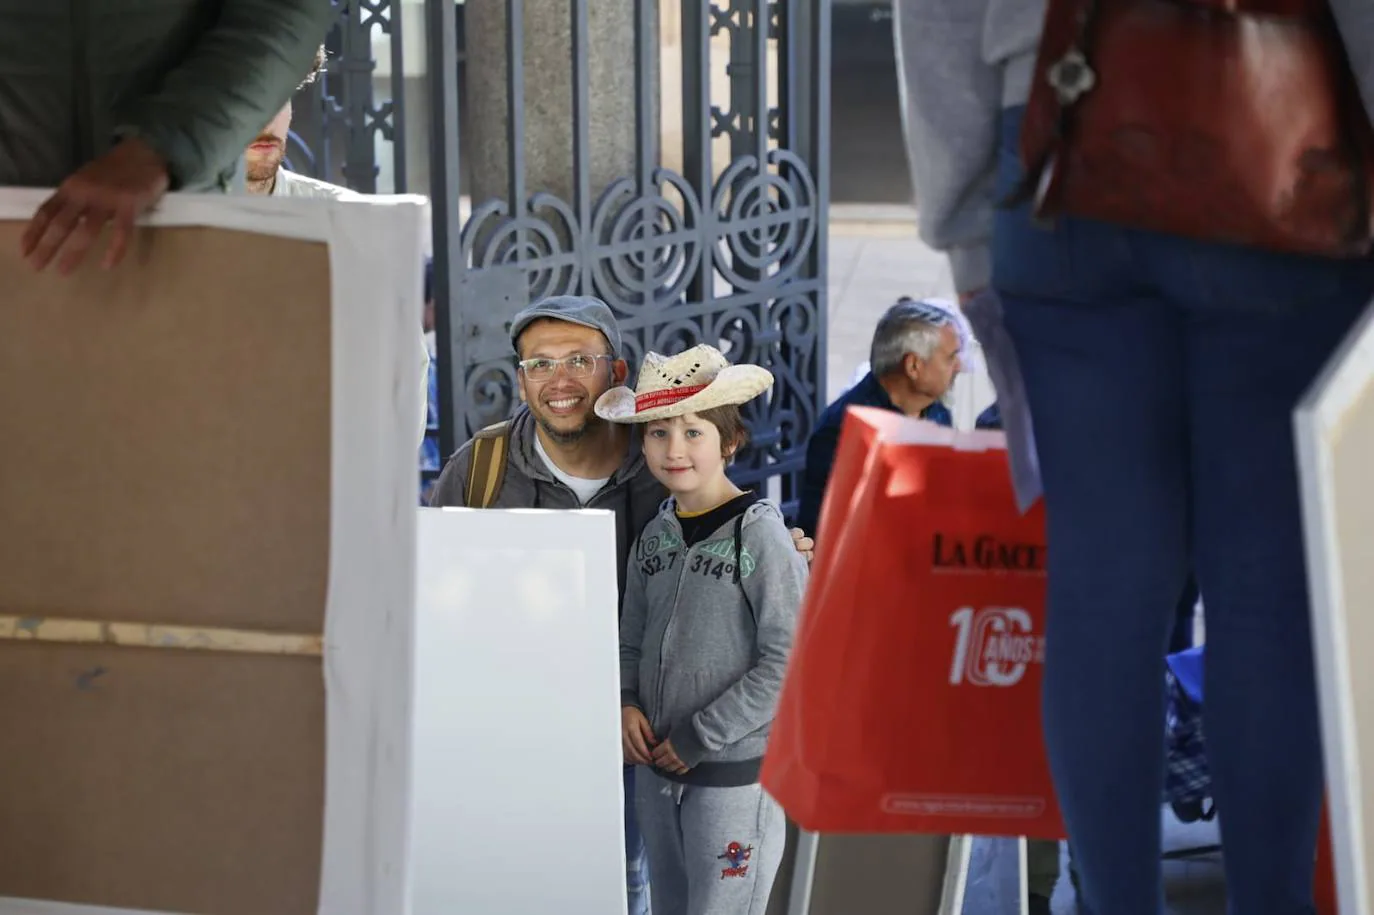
column 487, row 465
column 739, row 562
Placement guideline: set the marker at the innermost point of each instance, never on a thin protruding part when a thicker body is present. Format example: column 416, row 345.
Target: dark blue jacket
column 820, row 450
column 991, row 418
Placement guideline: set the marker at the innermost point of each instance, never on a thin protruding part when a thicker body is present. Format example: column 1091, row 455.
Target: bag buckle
column 1071, row 77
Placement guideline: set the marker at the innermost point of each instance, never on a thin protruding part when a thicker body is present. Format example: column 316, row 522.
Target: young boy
column 711, row 601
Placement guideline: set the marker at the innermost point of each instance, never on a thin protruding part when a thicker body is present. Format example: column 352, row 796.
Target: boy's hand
column 666, row 758
column 804, row 544
column 636, row 737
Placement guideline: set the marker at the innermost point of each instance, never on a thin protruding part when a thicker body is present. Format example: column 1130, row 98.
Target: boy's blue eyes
column 660, row 433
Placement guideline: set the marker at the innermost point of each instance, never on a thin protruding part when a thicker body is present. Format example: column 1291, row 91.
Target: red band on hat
column 666, row 397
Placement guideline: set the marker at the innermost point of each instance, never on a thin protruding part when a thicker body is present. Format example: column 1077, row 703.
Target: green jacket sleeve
column 236, row 78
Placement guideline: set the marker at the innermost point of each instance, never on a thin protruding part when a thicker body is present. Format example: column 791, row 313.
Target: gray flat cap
column 585, row 310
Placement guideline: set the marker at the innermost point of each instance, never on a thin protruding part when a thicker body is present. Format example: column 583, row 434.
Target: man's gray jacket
column 195, row 79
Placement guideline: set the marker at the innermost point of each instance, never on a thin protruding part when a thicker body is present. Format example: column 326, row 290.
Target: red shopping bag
column 912, row 698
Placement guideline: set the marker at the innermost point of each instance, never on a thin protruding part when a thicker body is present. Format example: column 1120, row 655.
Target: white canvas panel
column 518, row 793
column 1335, row 433
column 375, row 256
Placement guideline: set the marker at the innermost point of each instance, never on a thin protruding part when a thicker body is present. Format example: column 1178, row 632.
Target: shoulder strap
column 739, row 563
column 487, row 465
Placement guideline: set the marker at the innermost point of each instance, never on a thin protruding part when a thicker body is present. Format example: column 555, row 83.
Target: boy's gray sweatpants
column 712, row 851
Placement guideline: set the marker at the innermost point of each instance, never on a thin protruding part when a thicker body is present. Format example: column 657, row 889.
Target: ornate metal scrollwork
column 728, row 255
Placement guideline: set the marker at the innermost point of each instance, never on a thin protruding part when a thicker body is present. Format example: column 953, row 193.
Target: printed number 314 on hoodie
column 700, row 564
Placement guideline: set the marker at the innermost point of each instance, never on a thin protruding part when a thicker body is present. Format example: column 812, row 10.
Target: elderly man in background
column 116, row 102
column 912, row 363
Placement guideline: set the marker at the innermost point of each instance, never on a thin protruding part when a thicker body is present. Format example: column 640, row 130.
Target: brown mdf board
column 831, row 874
column 163, row 780
column 167, row 430
column 1335, row 432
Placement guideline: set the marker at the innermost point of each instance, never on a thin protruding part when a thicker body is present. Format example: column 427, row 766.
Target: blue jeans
column 1161, row 376
column 636, row 859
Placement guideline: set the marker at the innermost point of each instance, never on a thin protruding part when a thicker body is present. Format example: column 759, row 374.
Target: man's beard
column 590, row 422
column 563, row 436
column 264, row 169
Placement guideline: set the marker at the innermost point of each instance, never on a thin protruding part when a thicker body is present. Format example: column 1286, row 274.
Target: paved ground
column 875, row 257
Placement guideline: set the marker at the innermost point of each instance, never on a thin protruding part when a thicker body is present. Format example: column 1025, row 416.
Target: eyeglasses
column 578, row 365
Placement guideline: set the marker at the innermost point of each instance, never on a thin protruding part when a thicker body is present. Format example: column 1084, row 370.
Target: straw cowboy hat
column 699, row 379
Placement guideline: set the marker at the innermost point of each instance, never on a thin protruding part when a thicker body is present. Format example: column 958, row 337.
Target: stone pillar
column 548, row 96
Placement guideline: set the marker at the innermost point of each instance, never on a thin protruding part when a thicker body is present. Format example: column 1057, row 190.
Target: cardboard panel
column 882, row 875
column 1335, row 427
column 164, row 780
column 148, row 472
column 168, row 450
column 517, row 753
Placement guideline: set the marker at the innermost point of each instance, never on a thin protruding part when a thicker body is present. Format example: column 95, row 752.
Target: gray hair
column 910, row 326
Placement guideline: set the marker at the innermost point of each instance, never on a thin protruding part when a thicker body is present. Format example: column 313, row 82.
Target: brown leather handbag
column 1224, row 120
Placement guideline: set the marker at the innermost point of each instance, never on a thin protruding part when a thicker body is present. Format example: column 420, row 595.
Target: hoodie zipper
column 672, row 615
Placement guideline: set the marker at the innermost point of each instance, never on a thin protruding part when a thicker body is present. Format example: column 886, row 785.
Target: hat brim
column 734, row 385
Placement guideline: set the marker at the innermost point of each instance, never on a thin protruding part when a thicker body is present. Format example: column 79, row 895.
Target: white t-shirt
column 293, row 184
column 582, row 487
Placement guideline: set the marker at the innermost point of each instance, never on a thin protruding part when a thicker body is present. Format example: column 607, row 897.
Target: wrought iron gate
column 728, row 253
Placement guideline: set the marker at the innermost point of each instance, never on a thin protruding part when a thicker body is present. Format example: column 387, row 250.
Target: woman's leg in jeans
column 1104, row 382
column 1263, row 742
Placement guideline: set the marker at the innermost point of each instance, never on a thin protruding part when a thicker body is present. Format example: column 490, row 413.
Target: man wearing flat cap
column 555, row 452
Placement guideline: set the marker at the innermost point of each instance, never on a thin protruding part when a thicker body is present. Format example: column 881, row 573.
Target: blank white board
column 517, row 760
column 1335, row 434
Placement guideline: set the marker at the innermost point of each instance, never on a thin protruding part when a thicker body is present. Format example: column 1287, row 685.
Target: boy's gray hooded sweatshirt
column 960, row 62
column 701, row 653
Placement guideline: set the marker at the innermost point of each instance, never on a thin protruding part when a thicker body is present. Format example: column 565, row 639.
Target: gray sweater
column 960, row 63
column 702, row 654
